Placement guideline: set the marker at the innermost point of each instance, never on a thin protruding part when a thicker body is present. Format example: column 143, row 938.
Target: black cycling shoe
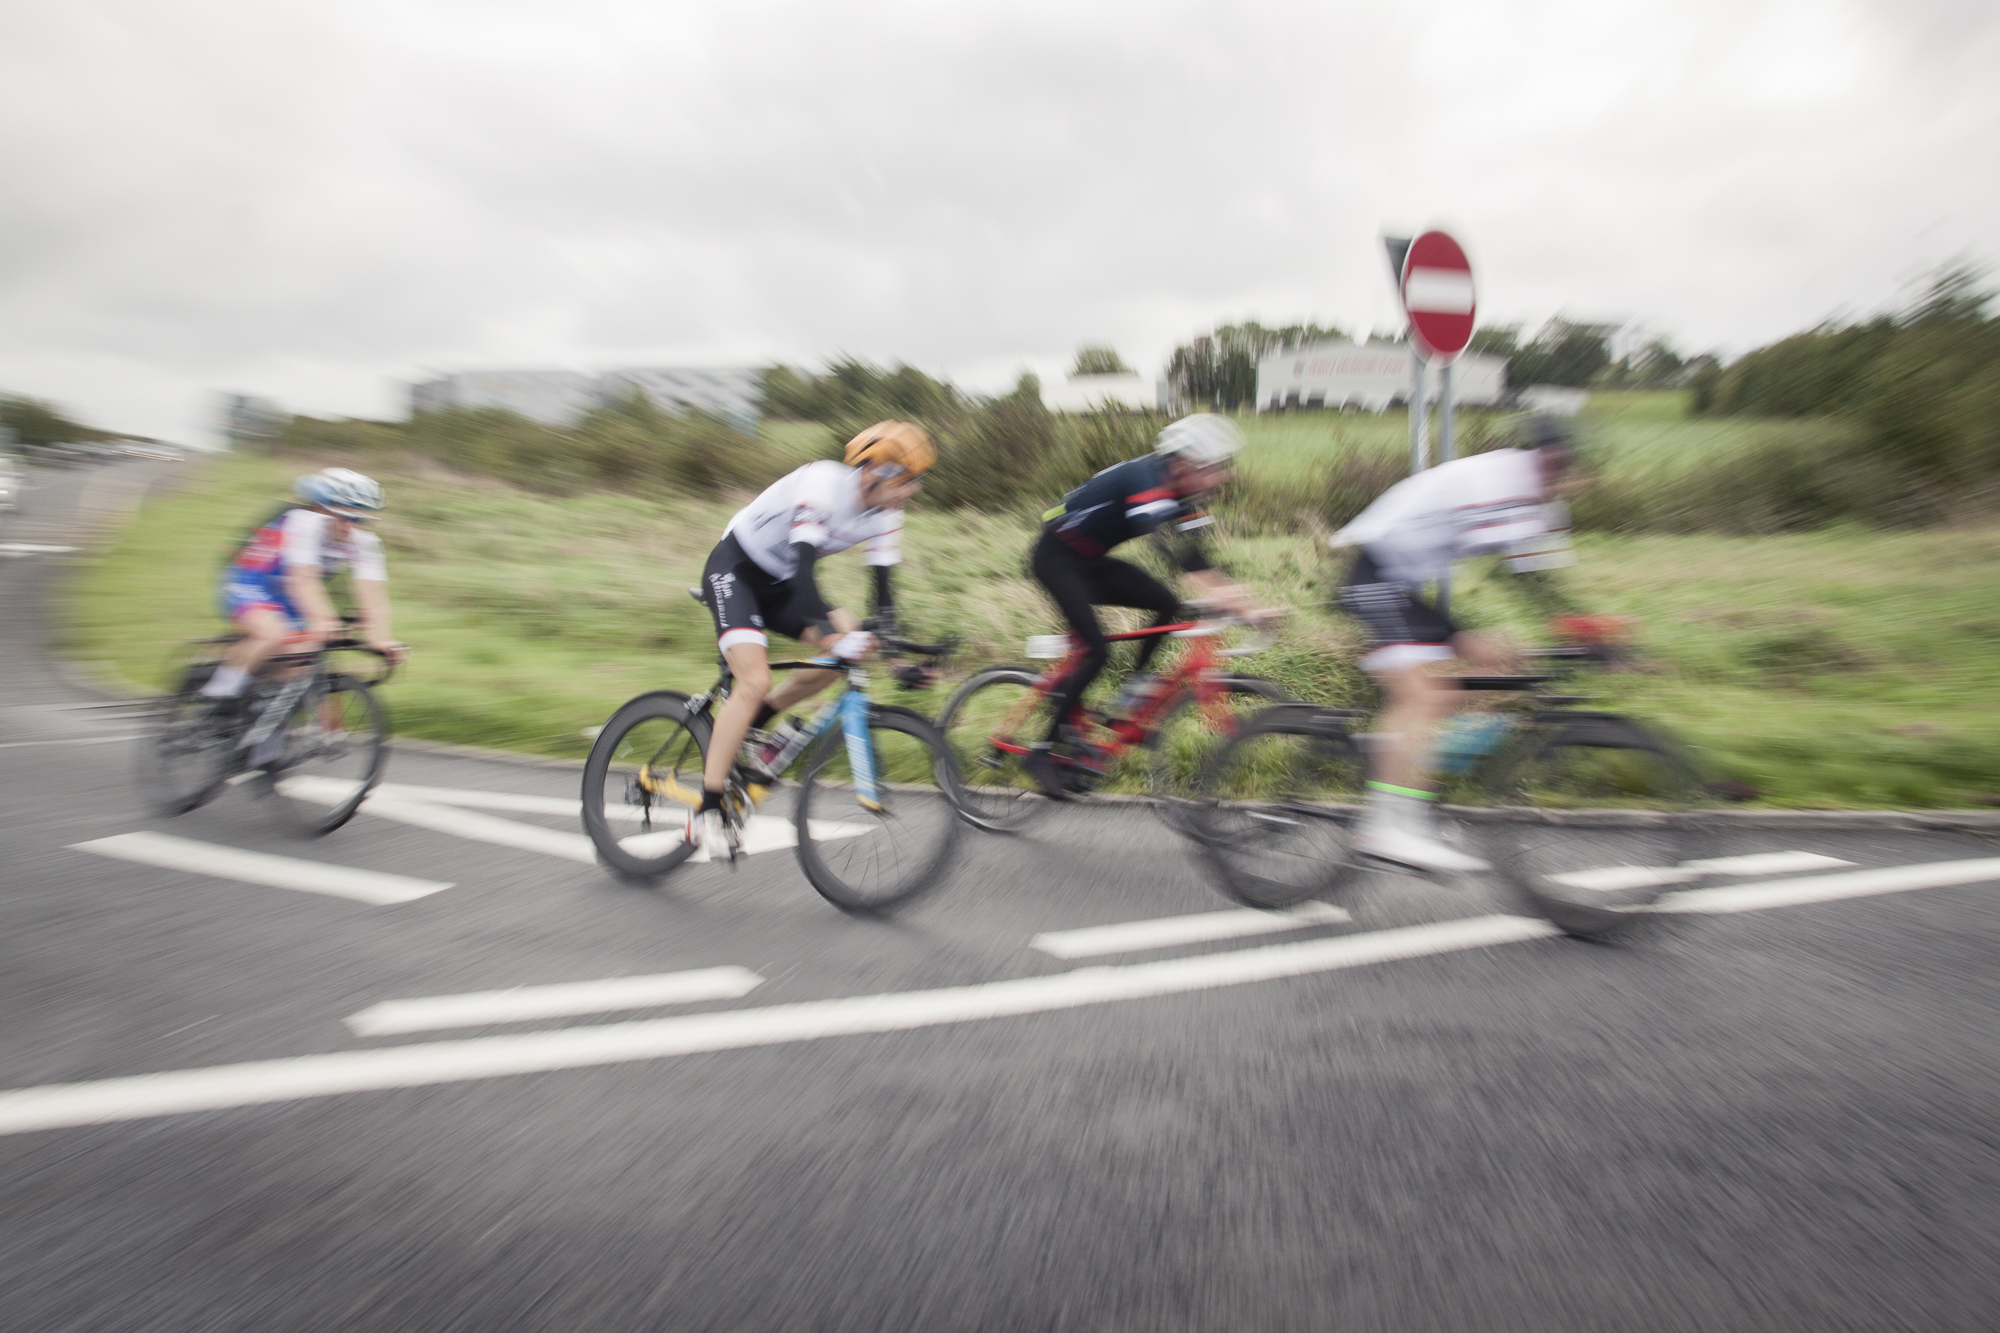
column 1041, row 766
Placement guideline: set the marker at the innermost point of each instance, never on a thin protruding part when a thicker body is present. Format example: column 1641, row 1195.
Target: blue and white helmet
column 343, row 490
column 1204, row 439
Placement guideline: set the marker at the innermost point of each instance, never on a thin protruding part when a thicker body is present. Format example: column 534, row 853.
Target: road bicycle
column 997, row 715
column 316, row 736
column 874, row 819
column 1589, row 816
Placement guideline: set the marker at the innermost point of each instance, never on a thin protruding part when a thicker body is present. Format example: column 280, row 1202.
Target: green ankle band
column 1403, row 791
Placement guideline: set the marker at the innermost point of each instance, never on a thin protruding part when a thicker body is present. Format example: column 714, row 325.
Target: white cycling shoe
column 712, row 832
column 1397, row 827
column 1415, row 850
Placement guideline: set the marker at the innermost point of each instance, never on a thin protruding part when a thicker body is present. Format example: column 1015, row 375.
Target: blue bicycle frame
column 850, row 711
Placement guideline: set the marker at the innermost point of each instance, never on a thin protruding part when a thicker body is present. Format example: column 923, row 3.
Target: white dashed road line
column 279, row 872
column 1611, row 878
column 523, row 1003
column 436, row 808
column 1166, row 932
column 483, row 828
column 422, row 1064
column 1830, row 888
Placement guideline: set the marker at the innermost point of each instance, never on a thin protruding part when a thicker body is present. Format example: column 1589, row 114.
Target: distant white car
column 12, row 480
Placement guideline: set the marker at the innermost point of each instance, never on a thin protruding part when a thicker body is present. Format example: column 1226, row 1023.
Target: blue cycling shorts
column 246, row 591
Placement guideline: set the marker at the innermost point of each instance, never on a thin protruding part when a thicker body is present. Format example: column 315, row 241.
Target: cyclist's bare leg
column 750, row 664
column 1420, row 697
column 262, row 630
column 1417, row 699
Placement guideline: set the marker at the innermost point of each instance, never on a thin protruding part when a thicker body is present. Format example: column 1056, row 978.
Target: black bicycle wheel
column 189, row 753
column 869, row 858
column 986, row 725
column 335, row 746
column 1276, row 808
column 1184, row 735
column 642, row 778
column 1603, row 819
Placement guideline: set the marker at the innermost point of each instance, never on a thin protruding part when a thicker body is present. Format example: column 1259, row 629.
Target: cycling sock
column 764, row 715
column 226, row 683
column 710, row 800
column 1388, row 789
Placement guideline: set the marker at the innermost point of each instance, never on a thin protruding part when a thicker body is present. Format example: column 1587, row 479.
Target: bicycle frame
column 848, row 710
column 1196, row 673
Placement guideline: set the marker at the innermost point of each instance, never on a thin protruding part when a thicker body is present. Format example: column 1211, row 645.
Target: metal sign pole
column 1445, row 455
column 1420, row 414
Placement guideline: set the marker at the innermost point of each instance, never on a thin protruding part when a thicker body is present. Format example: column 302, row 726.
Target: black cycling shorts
column 745, row 600
column 1402, row 627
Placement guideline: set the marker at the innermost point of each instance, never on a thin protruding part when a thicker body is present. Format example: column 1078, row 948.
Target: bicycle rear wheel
column 188, row 754
column 642, row 778
column 867, row 859
column 1607, row 819
column 1187, row 732
column 335, row 747
column 987, row 727
column 1276, row 810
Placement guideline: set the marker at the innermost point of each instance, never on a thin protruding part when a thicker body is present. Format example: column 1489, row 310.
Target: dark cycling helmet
column 342, row 490
column 1545, row 432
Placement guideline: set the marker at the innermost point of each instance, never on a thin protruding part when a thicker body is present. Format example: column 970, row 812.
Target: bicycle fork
column 860, row 749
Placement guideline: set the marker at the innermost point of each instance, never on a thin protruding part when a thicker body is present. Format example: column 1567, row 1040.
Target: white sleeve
column 815, row 502
column 886, row 546
column 304, row 540
column 368, row 563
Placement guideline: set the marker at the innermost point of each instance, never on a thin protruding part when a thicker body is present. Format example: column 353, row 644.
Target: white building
column 552, row 397
column 1373, row 376
column 1094, row 393
column 562, row 398
column 736, row 395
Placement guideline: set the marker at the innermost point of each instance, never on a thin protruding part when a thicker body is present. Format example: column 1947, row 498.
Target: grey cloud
column 307, row 201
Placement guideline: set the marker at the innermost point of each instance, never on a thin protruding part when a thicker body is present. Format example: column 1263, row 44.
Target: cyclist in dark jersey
column 1072, row 557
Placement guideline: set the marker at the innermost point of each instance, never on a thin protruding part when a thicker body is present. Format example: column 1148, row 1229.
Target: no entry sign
column 1437, row 294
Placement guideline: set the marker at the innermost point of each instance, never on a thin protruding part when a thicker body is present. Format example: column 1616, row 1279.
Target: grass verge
column 1845, row 668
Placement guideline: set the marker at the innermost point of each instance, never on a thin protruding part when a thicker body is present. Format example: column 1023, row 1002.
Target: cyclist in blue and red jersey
column 275, row 585
column 1072, row 558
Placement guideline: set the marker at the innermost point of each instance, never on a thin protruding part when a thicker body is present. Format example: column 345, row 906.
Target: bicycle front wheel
column 1606, row 819
column 642, row 778
column 868, row 857
column 1187, row 732
column 988, row 726
column 335, row 747
column 1276, row 808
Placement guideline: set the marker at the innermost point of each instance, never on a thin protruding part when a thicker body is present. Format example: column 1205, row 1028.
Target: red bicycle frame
column 1194, row 674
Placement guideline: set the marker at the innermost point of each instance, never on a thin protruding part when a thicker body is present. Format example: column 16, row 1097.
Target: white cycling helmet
column 1204, row 439
column 343, row 490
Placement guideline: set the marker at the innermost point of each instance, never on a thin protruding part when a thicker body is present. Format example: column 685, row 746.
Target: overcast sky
column 315, row 201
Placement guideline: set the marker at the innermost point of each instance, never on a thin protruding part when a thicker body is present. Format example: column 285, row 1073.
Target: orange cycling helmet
column 892, row 442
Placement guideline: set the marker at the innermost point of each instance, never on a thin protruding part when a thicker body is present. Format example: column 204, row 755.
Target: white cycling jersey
column 1470, row 506
column 299, row 537
column 819, row 504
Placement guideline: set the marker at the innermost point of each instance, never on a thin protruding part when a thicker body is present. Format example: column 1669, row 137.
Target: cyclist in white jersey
column 275, row 585
column 760, row 577
column 1498, row 502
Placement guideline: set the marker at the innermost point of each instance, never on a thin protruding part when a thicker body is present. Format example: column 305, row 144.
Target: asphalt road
column 1429, row 1116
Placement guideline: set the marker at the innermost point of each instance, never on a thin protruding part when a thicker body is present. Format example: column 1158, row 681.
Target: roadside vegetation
column 1810, row 537
column 1845, row 667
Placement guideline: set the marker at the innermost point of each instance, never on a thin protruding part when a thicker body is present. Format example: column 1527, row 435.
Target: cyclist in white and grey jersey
column 1498, row 502
column 760, row 577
